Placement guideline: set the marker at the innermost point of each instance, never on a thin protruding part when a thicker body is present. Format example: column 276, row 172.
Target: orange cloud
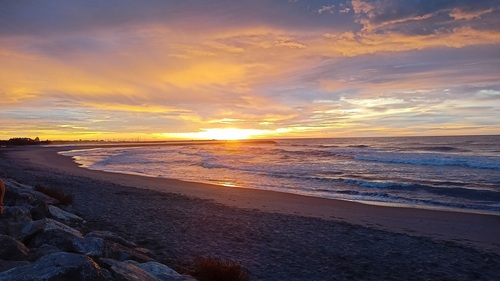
column 289, row 44
column 202, row 73
column 459, row 14
column 349, row 44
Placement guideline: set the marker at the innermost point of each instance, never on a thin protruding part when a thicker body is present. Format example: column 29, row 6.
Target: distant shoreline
column 103, row 143
column 154, row 143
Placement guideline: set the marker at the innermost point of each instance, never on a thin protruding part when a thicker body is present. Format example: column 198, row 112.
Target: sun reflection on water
column 228, row 184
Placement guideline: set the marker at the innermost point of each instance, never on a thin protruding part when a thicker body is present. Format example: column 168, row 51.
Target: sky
column 154, row 70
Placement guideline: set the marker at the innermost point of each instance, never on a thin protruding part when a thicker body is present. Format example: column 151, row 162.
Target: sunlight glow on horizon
column 220, row 134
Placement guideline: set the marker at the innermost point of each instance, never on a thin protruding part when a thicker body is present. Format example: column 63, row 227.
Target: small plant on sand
column 214, row 269
column 63, row 198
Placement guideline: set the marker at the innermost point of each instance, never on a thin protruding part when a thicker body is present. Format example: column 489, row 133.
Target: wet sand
column 277, row 236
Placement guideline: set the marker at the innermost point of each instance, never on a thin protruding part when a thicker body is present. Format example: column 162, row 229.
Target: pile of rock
column 38, row 243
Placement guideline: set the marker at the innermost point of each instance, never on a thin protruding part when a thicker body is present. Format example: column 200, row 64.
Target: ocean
column 459, row 173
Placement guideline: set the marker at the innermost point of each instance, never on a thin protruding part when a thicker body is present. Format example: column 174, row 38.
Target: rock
column 90, row 246
column 161, row 271
column 110, row 236
column 30, row 229
column 119, row 252
column 52, row 224
column 18, row 197
column 56, row 266
column 40, row 210
column 14, row 229
column 36, row 253
column 154, row 268
column 126, row 271
column 14, row 189
column 35, row 227
column 63, row 215
column 145, row 251
column 11, row 228
column 6, row 265
column 56, row 237
column 16, row 214
column 14, row 184
column 115, row 247
column 43, row 197
column 12, row 249
column 60, row 252
column 25, row 198
column 4, row 228
column 2, row 195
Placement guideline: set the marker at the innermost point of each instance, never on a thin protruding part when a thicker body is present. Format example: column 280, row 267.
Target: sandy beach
column 276, row 236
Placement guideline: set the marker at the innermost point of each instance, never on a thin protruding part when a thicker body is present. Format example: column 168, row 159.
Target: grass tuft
column 214, row 269
column 63, row 198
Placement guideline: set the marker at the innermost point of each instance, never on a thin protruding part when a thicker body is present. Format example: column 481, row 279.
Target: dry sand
column 277, row 236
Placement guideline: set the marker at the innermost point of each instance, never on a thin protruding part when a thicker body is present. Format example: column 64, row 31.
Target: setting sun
column 221, row 134
column 229, row 134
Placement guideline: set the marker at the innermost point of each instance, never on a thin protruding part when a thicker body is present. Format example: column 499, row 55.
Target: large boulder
column 14, row 184
column 109, row 245
column 110, row 236
column 43, row 197
column 55, row 237
column 161, row 271
column 56, row 266
column 126, row 271
column 36, row 253
column 12, row 249
column 40, row 210
column 16, row 193
column 16, row 214
column 119, row 252
column 90, row 246
column 6, row 265
column 33, row 228
column 2, row 195
column 63, row 215
column 18, row 197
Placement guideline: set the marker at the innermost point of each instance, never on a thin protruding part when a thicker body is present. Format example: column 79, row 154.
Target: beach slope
column 277, row 236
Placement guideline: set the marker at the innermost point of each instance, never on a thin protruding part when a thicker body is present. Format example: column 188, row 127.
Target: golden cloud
column 349, row 44
column 459, row 14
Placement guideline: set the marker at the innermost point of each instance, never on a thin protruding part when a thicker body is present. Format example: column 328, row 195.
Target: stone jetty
column 42, row 240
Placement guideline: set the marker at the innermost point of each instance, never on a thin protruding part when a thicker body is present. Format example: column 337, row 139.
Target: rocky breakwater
column 42, row 241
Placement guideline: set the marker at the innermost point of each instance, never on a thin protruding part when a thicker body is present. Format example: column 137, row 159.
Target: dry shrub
column 214, row 269
column 63, row 198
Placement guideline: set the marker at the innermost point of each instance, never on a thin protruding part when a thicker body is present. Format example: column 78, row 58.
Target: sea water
column 460, row 173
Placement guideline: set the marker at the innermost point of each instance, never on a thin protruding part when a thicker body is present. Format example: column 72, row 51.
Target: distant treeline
column 23, row 141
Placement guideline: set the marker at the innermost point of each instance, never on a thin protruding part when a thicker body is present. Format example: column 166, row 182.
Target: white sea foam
column 433, row 159
column 449, row 173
